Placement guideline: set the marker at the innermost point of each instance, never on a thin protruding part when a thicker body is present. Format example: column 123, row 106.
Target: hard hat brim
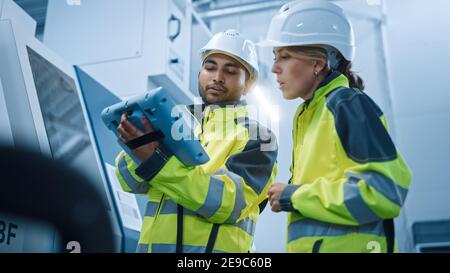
column 243, row 63
column 345, row 50
column 270, row 43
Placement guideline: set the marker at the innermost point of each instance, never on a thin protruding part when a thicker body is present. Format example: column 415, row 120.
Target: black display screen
column 63, row 118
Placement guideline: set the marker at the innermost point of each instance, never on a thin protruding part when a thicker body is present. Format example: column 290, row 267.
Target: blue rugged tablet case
column 175, row 122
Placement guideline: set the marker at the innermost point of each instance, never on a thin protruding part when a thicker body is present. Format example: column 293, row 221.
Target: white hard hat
column 311, row 22
column 232, row 44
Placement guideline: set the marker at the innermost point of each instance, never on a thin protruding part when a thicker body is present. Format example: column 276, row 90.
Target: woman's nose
column 276, row 69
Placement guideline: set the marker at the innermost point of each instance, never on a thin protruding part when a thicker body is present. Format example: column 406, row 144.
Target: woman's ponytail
column 345, row 68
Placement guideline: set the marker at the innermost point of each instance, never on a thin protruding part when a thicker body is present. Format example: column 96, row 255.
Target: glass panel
column 64, row 120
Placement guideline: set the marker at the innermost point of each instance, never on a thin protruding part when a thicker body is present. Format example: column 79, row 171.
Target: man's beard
column 202, row 92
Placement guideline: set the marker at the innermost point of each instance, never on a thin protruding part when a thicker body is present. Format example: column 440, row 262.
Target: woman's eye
column 281, row 57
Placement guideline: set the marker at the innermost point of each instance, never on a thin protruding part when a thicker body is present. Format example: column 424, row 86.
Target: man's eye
column 232, row 71
column 209, row 67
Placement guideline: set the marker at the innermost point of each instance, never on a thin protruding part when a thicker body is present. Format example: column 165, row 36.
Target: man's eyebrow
column 210, row 62
column 232, row 65
column 228, row 64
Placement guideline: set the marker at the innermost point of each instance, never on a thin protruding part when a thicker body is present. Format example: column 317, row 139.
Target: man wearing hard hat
column 213, row 207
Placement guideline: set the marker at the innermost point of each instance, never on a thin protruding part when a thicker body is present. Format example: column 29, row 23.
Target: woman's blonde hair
column 314, row 53
column 319, row 53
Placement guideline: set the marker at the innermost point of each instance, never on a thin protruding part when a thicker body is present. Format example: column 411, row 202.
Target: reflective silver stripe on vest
column 170, row 207
column 151, row 208
column 247, row 225
column 311, row 228
column 171, row 248
column 213, row 200
column 132, row 183
column 142, row 248
column 239, row 201
column 383, row 185
column 356, row 205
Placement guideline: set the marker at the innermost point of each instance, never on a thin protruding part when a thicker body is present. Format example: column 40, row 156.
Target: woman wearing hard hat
column 348, row 179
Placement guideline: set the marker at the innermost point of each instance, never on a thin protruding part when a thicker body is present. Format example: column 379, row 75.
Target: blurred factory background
column 121, row 48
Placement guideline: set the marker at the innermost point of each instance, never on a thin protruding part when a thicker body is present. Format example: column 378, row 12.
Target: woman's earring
column 316, row 73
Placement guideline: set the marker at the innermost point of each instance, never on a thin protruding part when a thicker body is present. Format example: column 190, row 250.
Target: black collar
column 222, row 104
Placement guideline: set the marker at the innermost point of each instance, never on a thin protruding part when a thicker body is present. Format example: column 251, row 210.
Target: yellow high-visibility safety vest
column 212, row 207
column 348, row 179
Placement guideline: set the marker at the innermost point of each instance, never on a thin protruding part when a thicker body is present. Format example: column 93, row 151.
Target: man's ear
column 248, row 85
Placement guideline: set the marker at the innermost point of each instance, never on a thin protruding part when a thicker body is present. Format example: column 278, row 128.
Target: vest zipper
column 154, row 220
column 295, row 141
column 159, row 206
